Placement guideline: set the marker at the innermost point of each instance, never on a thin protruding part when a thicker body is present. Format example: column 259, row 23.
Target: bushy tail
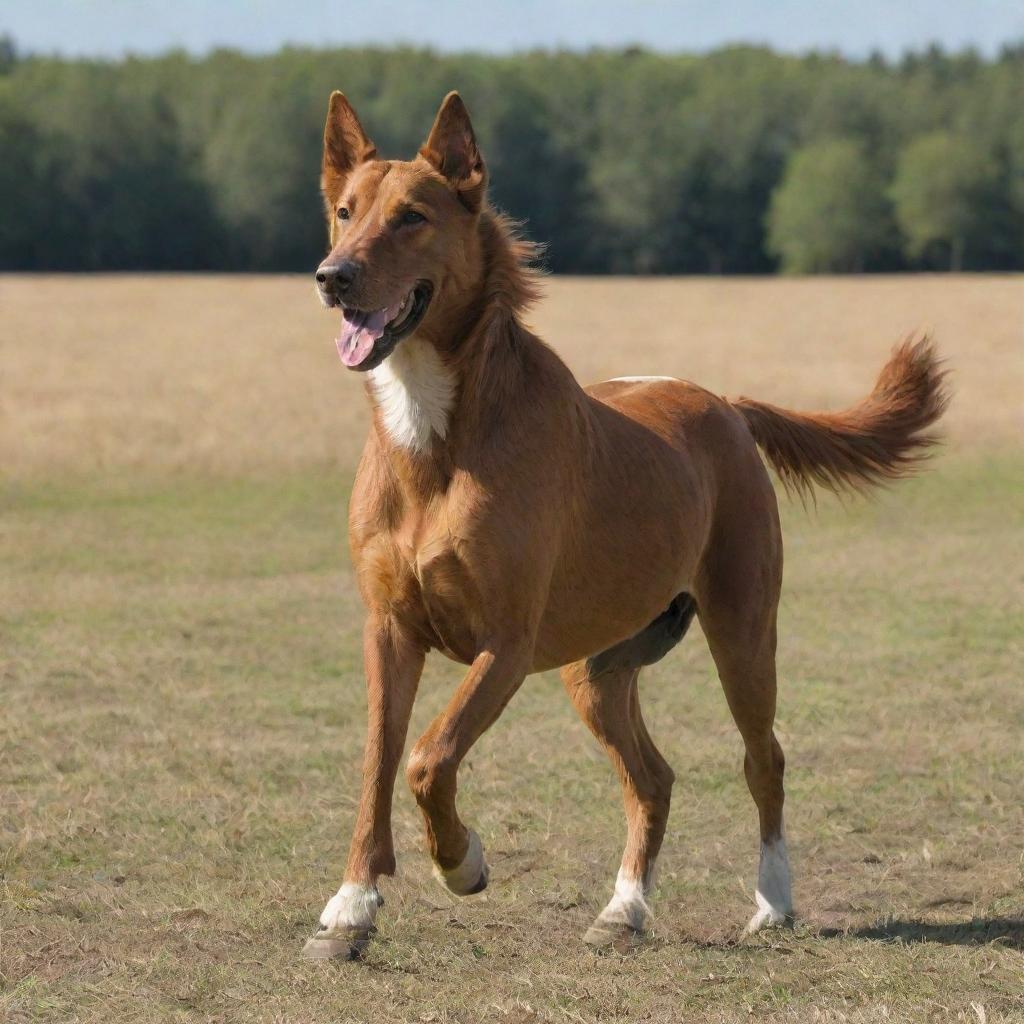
column 881, row 438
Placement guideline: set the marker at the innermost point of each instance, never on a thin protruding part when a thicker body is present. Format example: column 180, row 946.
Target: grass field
column 182, row 701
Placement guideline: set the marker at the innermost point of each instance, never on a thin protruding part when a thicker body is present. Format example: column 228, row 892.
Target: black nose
column 338, row 276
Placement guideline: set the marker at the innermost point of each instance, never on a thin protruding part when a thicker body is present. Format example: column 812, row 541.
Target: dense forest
column 738, row 161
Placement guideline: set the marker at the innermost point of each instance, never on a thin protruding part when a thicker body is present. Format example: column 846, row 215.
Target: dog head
column 404, row 244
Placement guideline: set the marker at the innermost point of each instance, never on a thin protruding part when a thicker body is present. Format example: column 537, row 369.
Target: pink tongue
column 360, row 331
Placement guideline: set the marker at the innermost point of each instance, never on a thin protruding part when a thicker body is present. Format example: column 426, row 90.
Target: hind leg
column 609, row 703
column 737, row 609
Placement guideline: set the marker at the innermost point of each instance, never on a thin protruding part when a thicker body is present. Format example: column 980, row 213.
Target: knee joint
column 428, row 768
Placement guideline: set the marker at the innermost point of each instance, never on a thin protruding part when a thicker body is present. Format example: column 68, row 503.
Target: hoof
column 346, row 946
column 622, row 925
column 469, row 877
column 481, row 883
column 774, row 894
column 614, row 936
column 768, row 917
column 346, row 924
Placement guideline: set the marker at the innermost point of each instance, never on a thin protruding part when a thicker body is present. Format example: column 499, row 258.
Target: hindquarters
column 664, row 462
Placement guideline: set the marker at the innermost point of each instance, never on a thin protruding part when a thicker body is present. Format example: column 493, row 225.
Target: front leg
column 493, row 678
column 393, row 666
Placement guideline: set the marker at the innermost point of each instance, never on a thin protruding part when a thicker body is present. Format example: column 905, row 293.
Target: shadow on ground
column 978, row 931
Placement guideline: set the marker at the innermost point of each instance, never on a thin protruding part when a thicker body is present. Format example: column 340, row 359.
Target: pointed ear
column 345, row 146
column 451, row 149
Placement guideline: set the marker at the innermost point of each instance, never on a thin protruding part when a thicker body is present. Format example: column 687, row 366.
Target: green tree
column 28, row 178
column 944, row 189
column 109, row 164
column 829, row 211
column 623, row 161
column 8, row 54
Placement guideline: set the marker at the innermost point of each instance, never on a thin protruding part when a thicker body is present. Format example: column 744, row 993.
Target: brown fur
column 879, row 439
column 552, row 523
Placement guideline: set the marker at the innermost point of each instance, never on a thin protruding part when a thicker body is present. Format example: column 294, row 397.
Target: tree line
column 738, row 161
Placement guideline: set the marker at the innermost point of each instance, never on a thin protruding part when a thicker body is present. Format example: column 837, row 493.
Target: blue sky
column 113, row 27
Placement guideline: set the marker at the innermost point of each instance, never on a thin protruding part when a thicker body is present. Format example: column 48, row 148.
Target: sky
column 111, row 28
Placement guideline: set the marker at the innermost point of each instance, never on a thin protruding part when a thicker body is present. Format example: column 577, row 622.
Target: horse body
column 593, row 531
column 516, row 522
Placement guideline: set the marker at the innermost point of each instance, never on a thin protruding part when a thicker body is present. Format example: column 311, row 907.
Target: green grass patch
column 182, row 729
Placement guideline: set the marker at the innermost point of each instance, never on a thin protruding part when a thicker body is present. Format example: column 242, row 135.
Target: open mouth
column 367, row 338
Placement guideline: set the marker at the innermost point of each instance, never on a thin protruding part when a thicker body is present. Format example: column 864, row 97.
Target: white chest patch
column 415, row 393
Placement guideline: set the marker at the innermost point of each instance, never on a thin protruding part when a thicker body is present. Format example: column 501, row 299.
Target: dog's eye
column 342, row 213
column 412, row 217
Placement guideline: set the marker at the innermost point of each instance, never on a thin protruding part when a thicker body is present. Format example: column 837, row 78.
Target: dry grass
column 183, row 706
column 240, row 374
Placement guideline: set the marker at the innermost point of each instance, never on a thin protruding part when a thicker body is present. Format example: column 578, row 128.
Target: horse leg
column 433, row 766
column 393, row 666
column 608, row 701
column 737, row 600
